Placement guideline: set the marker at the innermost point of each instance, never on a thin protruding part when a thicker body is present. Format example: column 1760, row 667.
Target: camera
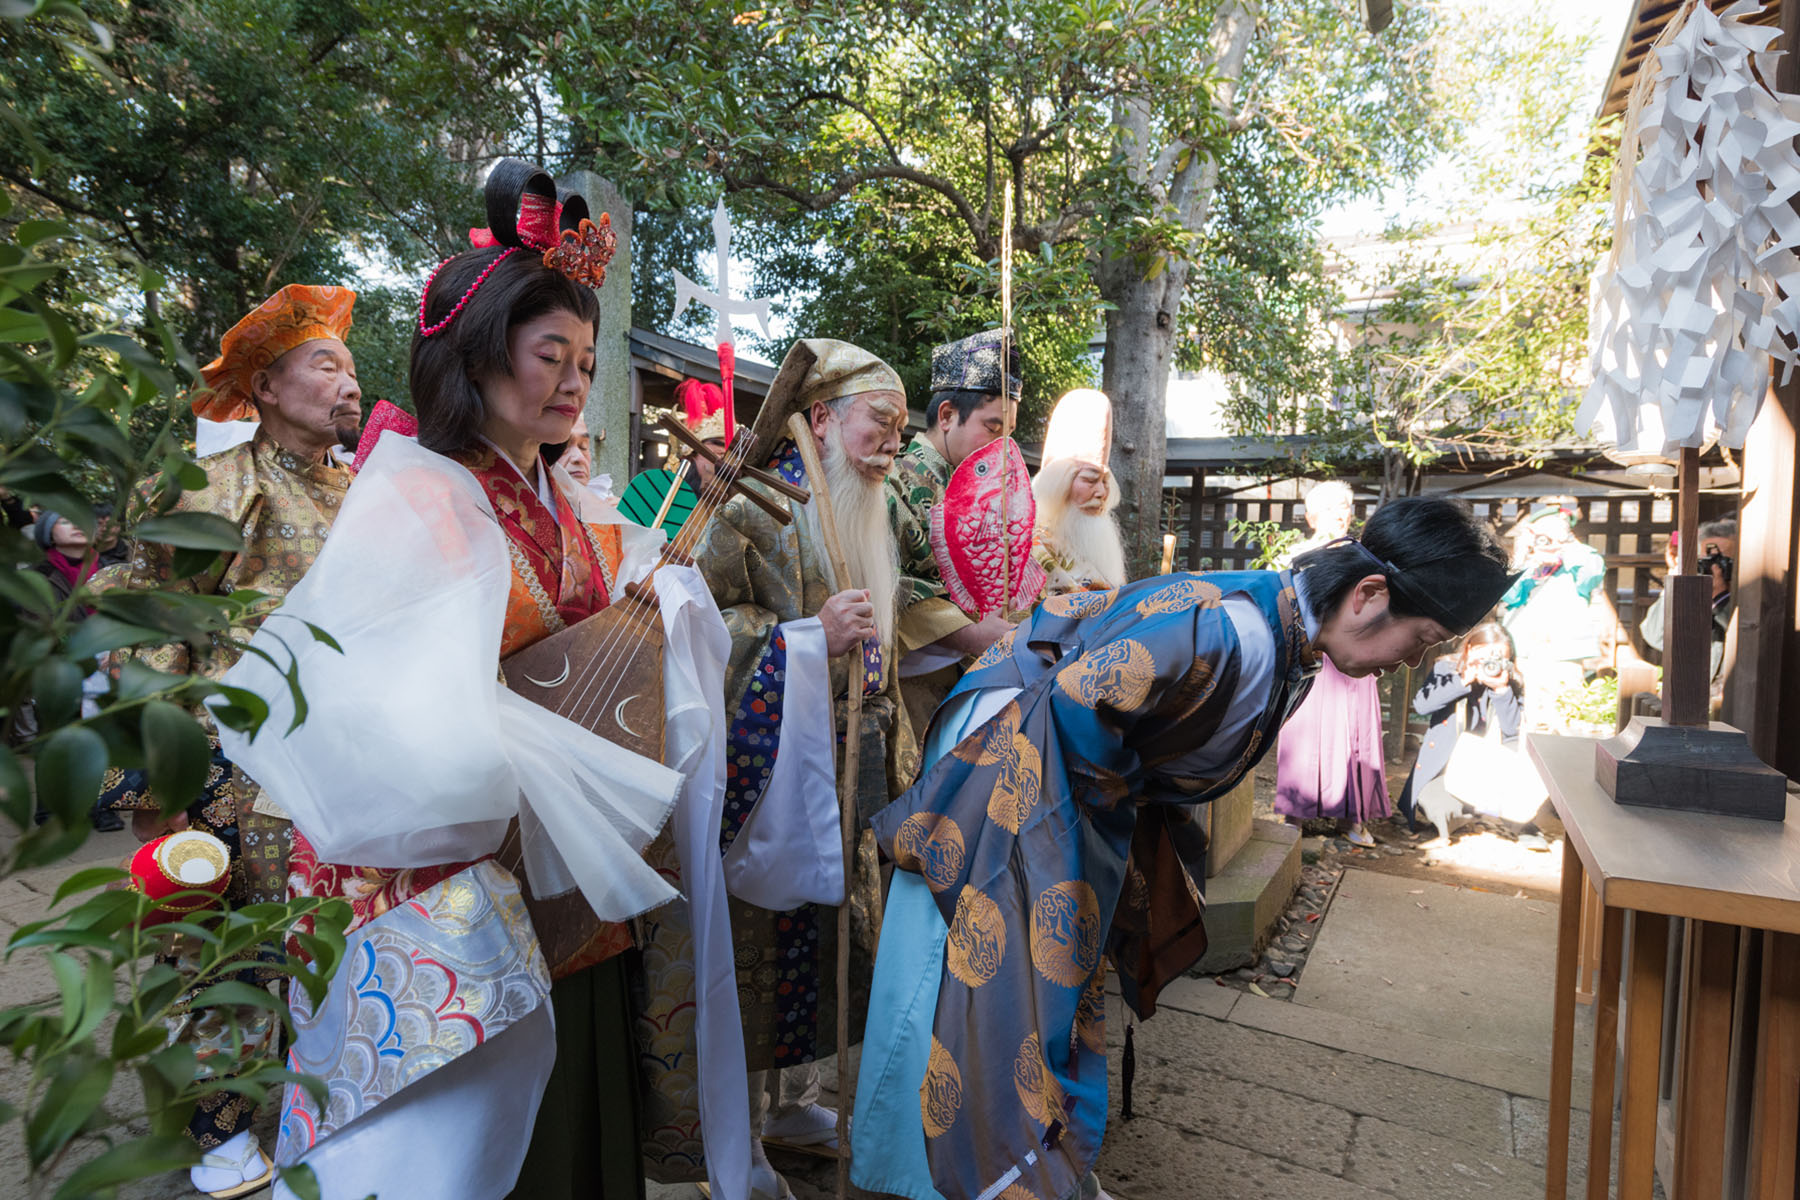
column 1715, row 558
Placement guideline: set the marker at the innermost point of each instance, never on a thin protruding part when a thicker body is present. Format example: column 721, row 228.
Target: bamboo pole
column 847, row 777
column 662, row 514
column 1006, row 404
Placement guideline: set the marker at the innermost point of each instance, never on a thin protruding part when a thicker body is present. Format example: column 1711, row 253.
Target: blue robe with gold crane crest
column 1021, row 833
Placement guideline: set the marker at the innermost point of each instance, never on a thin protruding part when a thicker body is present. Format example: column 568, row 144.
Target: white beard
column 1089, row 540
column 870, row 553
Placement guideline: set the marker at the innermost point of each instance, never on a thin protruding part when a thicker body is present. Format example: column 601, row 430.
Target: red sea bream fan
column 987, row 569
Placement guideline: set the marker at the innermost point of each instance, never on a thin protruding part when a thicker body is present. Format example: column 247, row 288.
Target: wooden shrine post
column 610, row 418
column 1762, row 652
column 1195, row 499
column 1687, row 612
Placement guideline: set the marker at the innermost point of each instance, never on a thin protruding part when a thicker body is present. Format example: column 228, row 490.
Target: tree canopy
column 239, row 145
column 889, row 133
column 1168, row 163
column 1463, row 328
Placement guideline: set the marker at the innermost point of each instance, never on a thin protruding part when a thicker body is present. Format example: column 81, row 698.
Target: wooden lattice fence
column 1630, row 531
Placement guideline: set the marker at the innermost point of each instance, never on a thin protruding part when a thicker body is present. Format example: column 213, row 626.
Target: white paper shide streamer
column 1689, row 307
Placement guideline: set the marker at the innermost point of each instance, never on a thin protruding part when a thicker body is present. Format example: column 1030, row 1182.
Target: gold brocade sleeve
column 1057, row 568
column 927, row 614
column 929, row 621
column 151, row 566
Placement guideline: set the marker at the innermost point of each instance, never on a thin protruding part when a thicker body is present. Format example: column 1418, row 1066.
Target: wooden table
column 1723, row 874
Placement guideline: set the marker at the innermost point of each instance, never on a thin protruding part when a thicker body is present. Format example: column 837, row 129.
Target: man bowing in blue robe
column 1054, row 826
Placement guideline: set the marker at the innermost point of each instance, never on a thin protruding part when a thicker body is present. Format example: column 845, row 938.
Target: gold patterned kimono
column 1067, row 573
column 285, row 507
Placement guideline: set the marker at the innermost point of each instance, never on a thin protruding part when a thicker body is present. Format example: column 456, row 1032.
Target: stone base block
column 1247, row 897
column 1229, row 820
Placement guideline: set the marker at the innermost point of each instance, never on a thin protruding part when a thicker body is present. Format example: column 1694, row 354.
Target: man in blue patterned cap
column 970, row 396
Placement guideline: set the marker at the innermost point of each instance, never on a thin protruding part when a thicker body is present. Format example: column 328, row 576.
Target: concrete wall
column 609, row 399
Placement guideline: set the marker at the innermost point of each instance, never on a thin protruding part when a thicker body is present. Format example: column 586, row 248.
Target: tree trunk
column 1399, row 476
column 1140, row 345
column 1140, row 330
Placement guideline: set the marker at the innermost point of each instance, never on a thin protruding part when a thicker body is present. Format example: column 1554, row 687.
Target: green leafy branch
column 72, row 1057
column 72, row 390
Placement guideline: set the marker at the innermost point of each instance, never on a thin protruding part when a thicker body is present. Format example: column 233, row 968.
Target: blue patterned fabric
column 1021, row 833
column 789, row 465
column 752, row 739
column 750, row 751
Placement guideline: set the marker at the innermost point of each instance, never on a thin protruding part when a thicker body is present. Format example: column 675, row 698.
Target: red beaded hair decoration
column 524, row 214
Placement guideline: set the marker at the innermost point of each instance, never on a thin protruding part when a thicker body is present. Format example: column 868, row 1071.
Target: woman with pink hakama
column 1329, row 762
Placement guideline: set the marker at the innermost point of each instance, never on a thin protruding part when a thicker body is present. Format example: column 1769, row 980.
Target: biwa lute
column 606, row 673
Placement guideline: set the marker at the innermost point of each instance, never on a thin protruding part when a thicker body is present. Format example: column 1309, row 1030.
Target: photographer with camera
column 1471, row 757
column 1718, row 552
column 1551, row 612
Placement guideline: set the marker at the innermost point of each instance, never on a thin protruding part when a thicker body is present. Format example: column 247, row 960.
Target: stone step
column 1248, row 895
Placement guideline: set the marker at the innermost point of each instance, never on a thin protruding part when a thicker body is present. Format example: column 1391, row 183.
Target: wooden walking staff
column 848, row 772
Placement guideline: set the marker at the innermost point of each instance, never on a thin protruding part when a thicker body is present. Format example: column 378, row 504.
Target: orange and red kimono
column 562, row 572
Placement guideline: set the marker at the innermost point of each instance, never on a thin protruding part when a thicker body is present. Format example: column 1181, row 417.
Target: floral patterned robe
column 764, row 574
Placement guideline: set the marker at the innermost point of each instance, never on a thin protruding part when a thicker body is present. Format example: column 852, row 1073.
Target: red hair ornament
column 584, row 251
column 525, row 214
column 702, row 407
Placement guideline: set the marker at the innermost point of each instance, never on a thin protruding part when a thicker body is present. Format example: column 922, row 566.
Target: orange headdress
column 297, row 314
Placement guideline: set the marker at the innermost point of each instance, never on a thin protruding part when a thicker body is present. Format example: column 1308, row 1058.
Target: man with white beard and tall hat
column 793, row 629
column 1076, row 539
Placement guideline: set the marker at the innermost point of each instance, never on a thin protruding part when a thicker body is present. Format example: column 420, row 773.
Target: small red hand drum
column 186, row 861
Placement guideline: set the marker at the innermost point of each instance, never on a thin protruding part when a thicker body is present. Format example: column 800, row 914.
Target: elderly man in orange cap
column 285, row 364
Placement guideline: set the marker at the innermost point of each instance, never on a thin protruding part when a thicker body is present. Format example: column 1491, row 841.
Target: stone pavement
column 1330, row 1107
column 1412, row 1061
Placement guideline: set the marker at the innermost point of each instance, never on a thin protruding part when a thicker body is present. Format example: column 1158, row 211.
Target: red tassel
column 727, row 369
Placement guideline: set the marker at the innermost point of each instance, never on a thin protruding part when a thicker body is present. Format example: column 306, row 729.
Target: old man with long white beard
column 1077, row 539
column 795, row 629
